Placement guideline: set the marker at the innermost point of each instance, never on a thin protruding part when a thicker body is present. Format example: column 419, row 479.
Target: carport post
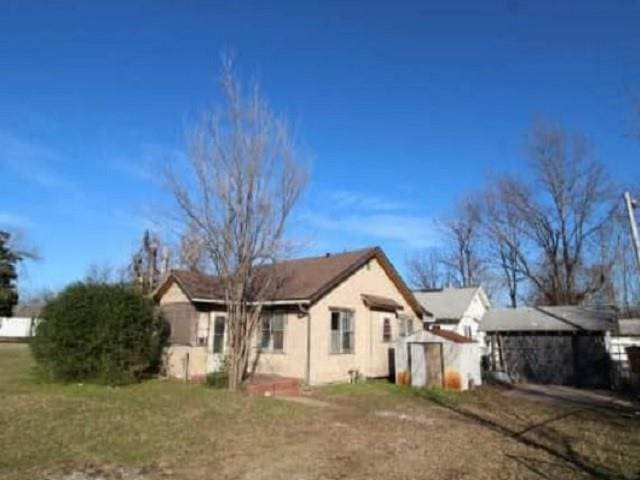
column 631, row 204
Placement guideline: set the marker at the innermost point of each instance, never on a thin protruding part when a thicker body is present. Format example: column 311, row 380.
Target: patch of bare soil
column 347, row 443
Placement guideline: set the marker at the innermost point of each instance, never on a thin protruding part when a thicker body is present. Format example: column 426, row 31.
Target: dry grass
column 373, row 430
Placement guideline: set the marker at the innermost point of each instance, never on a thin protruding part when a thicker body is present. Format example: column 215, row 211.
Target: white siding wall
column 15, row 327
column 471, row 318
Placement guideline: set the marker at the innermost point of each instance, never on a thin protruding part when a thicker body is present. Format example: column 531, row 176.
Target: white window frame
column 468, row 331
column 346, row 326
column 268, row 320
column 202, row 329
column 405, row 326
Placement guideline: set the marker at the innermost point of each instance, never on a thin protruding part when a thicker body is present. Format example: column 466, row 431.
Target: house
column 332, row 318
column 558, row 345
column 627, row 335
column 21, row 325
column 459, row 310
column 438, row 358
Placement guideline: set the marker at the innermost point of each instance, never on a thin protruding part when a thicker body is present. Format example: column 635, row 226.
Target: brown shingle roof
column 299, row 279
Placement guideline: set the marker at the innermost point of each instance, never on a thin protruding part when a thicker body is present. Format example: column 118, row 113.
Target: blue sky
column 402, row 106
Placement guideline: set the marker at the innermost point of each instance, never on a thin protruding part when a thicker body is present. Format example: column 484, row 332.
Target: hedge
column 99, row 333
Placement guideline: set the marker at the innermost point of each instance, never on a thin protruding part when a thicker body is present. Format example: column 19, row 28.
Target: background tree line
column 559, row 237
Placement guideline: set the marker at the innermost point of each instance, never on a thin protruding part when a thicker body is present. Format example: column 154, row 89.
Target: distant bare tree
column 149, row 263
column 192, row 250
column 461, row 255
column 570, row 202
column 502, row 228
column 425, row 269
column 100, row 273
column 244, row 180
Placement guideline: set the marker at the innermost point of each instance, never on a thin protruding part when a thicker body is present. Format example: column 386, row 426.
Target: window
column 467, row 331
column 218, row 335
column 202, row 334
column 341, row 331
column 386, row 330
column 272, row 332
column 405, row 326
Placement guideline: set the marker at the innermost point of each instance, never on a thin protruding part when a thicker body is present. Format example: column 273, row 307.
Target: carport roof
column 629, row 327
column 548, row 319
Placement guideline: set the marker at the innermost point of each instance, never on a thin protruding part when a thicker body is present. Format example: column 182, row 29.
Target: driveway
column 568, row 396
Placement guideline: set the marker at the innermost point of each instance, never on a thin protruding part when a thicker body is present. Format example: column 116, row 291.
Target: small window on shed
column 386, row 330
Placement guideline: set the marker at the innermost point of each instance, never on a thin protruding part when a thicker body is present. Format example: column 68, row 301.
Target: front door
column 433, row 364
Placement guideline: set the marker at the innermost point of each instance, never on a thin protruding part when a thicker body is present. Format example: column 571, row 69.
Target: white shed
column 438, row 358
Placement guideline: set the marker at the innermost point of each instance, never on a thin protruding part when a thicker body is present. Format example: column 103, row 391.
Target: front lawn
column 165, row 429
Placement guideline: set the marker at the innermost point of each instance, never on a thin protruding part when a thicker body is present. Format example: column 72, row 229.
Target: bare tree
column 192, row 250
column 570, row 202
column 502, row 228
column 100, row 273
column 149, row 263
column 462, row 242
column 425, row 269
column 244, row 181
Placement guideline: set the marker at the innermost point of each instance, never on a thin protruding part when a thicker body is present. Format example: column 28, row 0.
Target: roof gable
column 450, row 303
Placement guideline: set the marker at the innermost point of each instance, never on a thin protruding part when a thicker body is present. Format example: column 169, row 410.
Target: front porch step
column 273, row 385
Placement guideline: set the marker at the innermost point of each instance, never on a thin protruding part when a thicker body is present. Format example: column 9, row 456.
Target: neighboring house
column 332, row 317
column 21, row 325
column 437, row 358
column 456, row 309
column 558, row 345
column 627, row 335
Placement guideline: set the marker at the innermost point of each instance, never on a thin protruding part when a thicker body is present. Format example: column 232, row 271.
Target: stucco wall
column 186, row 362
column 291, row 361
column 370, row 356
column 174, row 294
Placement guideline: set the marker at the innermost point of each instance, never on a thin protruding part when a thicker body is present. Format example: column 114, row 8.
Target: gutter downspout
column 307, row 365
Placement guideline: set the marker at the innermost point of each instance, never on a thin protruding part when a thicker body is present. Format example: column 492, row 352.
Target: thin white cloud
column 13, row 220
column 33, row 162
column 354, row 200
column 147, row 166
column 412, row 231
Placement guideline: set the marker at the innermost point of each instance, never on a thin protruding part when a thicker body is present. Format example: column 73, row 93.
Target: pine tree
column 8, row 275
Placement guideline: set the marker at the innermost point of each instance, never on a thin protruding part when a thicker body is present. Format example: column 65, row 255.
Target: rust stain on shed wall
column 452, row 380
column 404, row 378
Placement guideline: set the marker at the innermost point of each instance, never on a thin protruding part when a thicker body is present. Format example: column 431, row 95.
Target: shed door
column 433, row 363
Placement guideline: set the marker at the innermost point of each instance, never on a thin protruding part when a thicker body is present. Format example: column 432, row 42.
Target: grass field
column 163, row 429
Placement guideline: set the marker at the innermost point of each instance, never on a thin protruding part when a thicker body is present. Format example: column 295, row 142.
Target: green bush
column 219, row 378
column 101, row 333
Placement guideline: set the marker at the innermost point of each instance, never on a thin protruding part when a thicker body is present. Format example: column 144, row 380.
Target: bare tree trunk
column 247, row 179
